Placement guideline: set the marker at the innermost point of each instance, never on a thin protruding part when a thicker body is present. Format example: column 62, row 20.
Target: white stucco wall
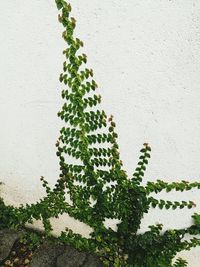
column 146, row 57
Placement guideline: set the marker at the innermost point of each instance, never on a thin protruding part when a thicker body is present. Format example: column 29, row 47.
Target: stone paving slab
column 46, row 255
column 7, row 239
column 92, row 261
column 71, row 258
column 54, row 255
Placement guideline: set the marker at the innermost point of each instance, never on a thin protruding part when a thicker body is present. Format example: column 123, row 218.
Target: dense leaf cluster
column 92, row 175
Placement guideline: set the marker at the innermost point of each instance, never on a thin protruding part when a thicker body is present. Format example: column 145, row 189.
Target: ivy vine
column 96, row 182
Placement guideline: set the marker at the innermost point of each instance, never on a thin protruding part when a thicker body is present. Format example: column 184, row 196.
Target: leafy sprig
column 92, row 174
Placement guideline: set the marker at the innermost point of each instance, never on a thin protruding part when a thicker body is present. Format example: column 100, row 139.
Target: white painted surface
column 146, row 56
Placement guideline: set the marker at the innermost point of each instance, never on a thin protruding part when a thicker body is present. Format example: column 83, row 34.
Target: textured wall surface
column 146, row 59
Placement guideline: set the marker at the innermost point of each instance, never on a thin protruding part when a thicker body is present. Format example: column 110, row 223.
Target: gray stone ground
column 48, row 254
column 7, row 240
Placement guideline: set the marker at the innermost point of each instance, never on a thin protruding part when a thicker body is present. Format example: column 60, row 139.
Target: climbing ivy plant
column 92, row 175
